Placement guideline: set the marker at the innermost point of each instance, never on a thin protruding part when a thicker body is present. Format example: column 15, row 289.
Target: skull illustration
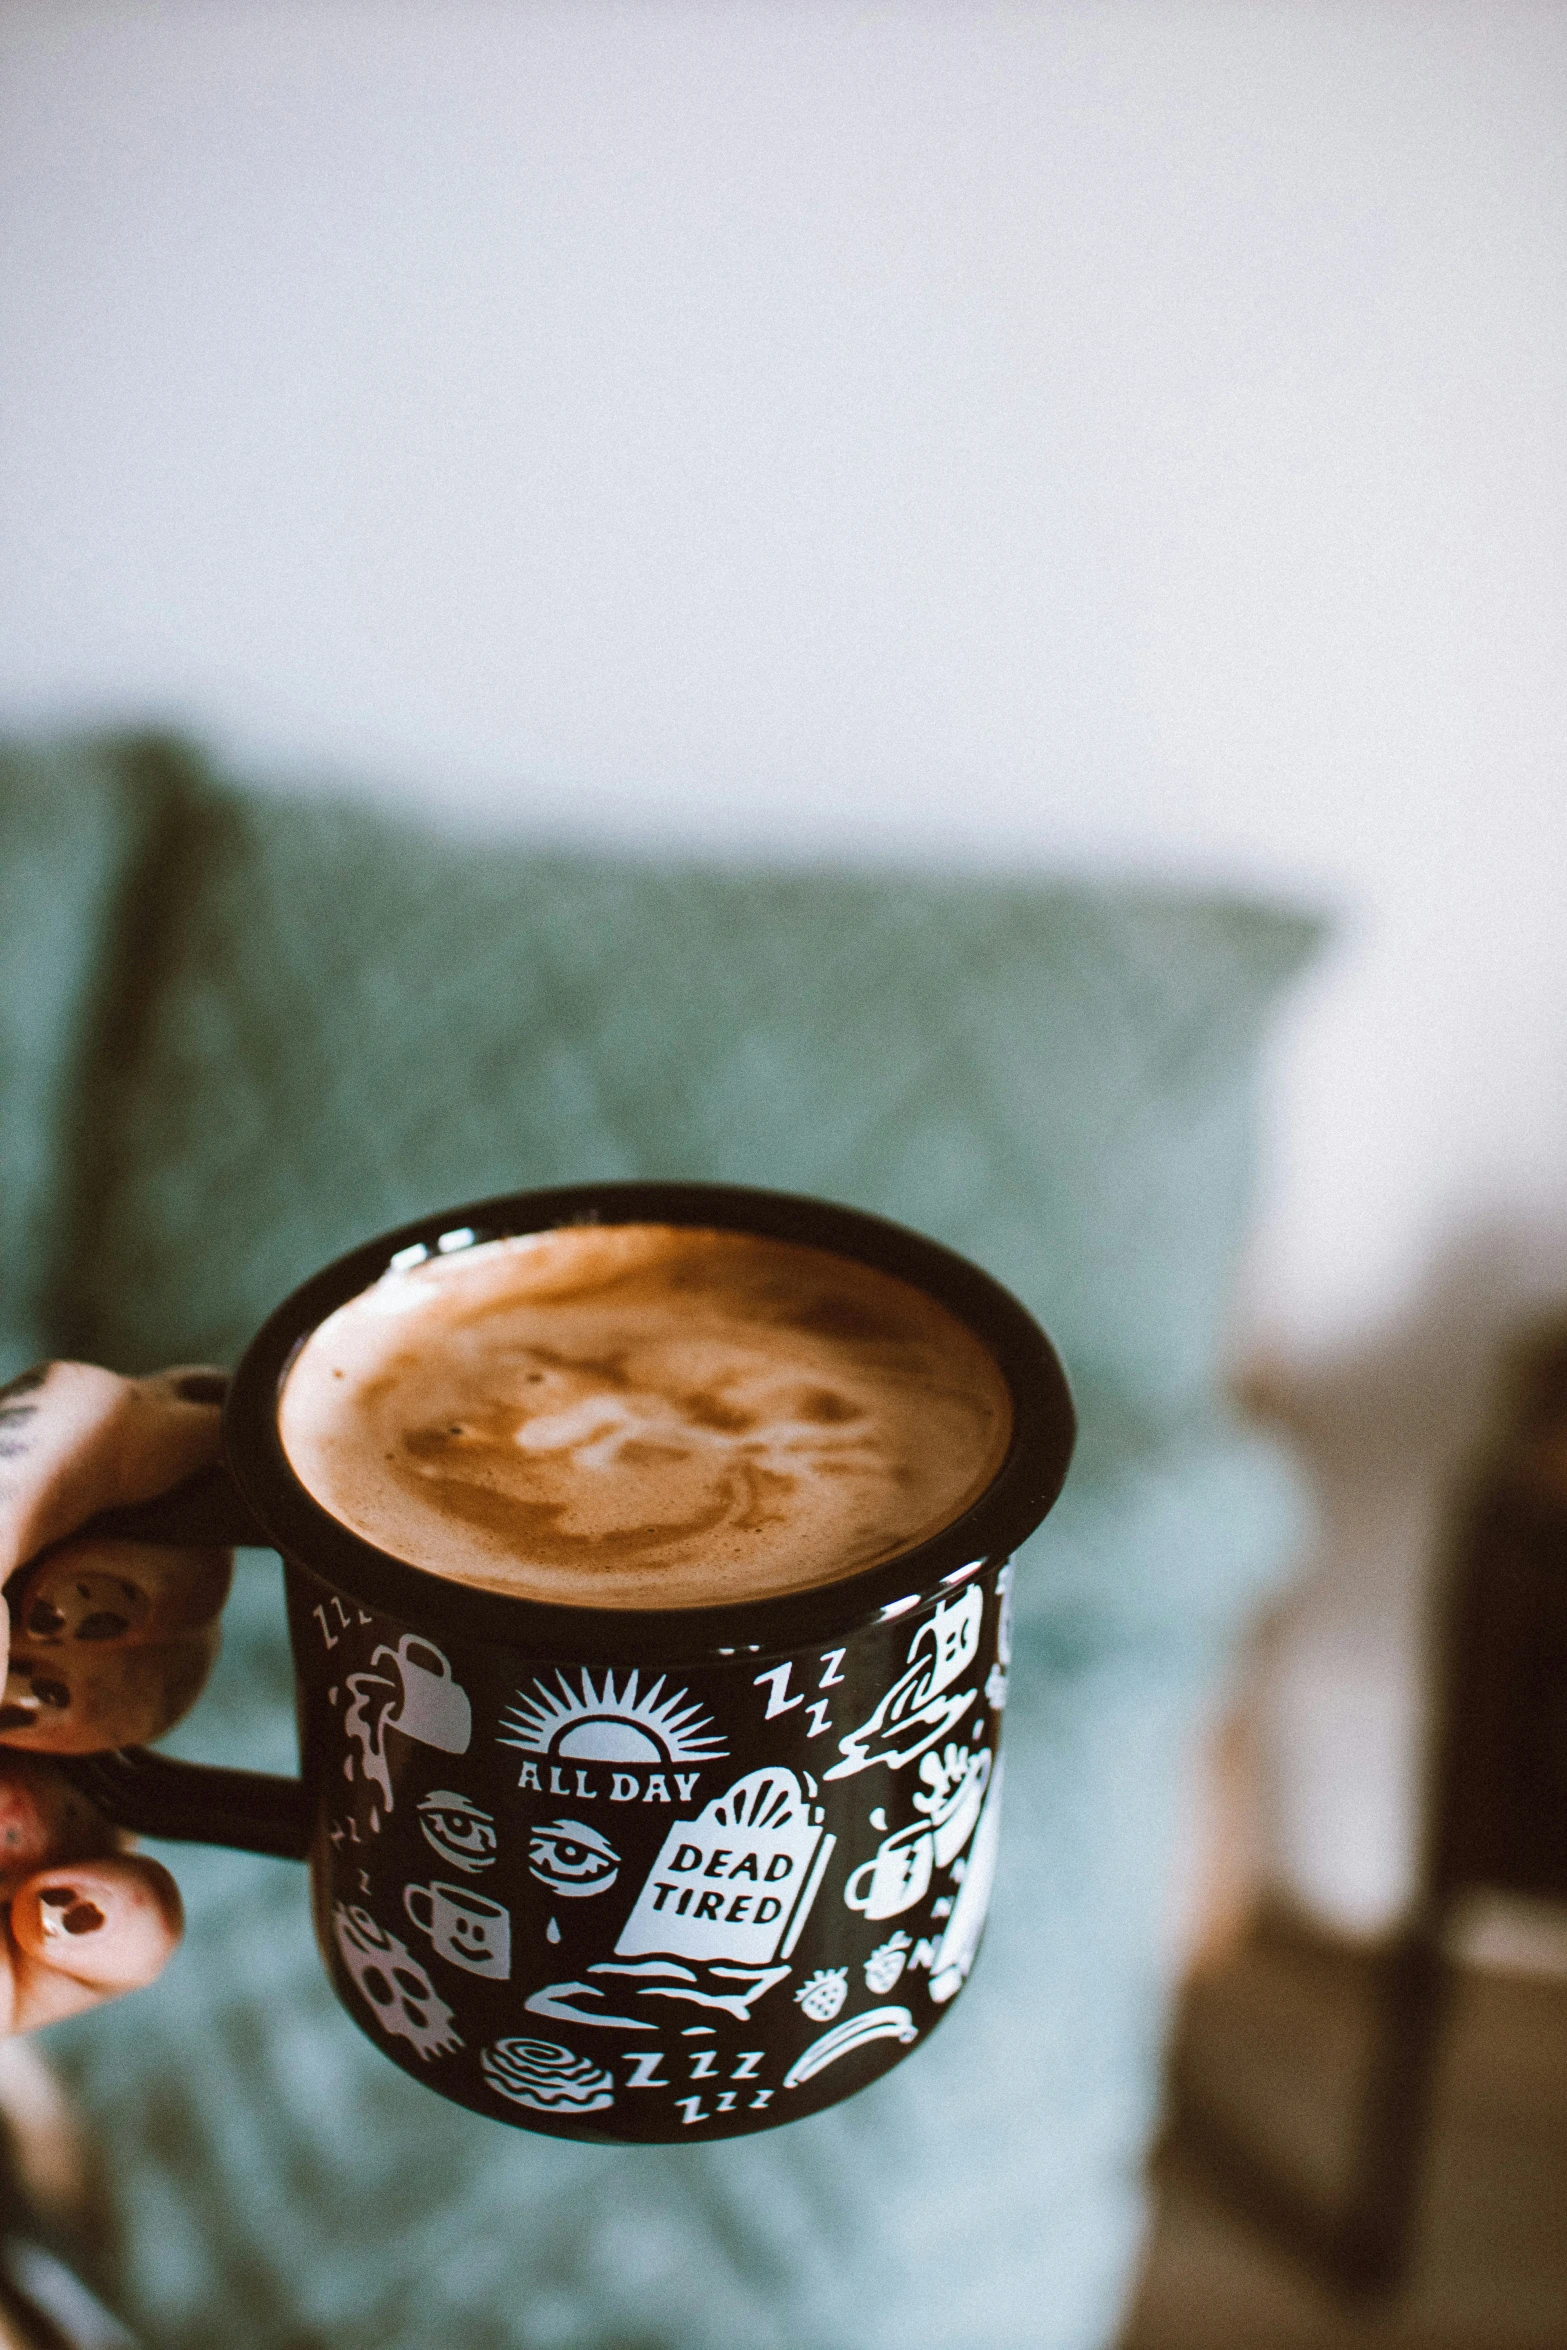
column 405, row 2002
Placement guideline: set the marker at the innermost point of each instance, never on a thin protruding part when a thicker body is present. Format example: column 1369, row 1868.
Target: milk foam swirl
column 644, row 1416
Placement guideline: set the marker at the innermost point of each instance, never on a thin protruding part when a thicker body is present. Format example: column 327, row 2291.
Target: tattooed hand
column 109, row 1643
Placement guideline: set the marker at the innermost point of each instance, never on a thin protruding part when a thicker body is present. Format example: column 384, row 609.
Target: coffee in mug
column 647, row 1552
column 644, row 1415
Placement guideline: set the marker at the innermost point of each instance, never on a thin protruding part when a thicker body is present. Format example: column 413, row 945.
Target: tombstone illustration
column 401, row 1996
column 737, row 1882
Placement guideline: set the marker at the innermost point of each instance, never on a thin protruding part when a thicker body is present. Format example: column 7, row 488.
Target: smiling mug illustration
column 464, row 1927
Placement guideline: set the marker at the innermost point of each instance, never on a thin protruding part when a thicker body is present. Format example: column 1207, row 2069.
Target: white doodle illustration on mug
column 996, row 1678
column 592, row 1722
column 401, row 1996
column 896, row 1876
column 884, row 1968
column 571, row 1859
column 954, row 1953
column 821, row 1996
column 900, row 1872
column 433, row 1708
column 954, row 1784
column 737, row 1882
column 456, row 1828
column 544, row 2075
column 922, row 1705
column 856, row 2031
column 417, row 1696
column 465, row 1928
column 734, row 1990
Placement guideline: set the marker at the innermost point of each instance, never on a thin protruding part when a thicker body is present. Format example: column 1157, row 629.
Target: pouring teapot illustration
column 434, row 1707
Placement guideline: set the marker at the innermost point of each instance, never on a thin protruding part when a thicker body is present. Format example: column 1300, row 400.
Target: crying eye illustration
column 458, row 1830
column 572, row 1859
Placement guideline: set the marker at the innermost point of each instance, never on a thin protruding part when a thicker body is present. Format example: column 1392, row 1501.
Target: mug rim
column 1017, row 1498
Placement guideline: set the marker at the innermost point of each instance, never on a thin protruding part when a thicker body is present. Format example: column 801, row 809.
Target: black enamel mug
column 624, row 1874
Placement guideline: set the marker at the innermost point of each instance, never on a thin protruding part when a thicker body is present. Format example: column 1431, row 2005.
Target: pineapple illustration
column 823, row 1993
column 886, row 1964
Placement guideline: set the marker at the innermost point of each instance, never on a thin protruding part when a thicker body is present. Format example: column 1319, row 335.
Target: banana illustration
column 877, row 2023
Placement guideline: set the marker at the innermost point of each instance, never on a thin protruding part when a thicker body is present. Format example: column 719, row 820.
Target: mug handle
column 151, row 1794
column 413, row 1893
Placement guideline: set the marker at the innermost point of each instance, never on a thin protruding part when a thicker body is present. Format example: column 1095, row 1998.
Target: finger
column 75, row 1439
column 100, row 1927
column 120, row 1593
column 78, row 1700
column 43, row 1821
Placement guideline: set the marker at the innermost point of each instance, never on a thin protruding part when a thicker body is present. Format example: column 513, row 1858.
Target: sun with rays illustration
column 603, row 1723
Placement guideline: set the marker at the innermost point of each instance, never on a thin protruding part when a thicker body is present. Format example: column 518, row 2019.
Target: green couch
column 239, row 1032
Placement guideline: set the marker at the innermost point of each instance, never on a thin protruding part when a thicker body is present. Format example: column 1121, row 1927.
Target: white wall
column 1129, row 434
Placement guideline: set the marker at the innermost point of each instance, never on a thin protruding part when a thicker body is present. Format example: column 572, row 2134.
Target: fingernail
column 25, row 1682
column 202, row 1387
column 103, row 1625
column 64, row 1909
column 19, row 1702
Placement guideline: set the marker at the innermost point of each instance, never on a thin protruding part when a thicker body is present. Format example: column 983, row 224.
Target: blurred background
column 1122, row 438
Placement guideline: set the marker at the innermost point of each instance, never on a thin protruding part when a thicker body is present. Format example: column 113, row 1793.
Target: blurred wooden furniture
column 55, row 2225
column 1495, row 1825
column 1283, row 2027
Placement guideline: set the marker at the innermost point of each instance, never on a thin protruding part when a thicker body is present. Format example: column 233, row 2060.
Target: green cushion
column 79, row 825
column 357, row 1022
column 342, row 1021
